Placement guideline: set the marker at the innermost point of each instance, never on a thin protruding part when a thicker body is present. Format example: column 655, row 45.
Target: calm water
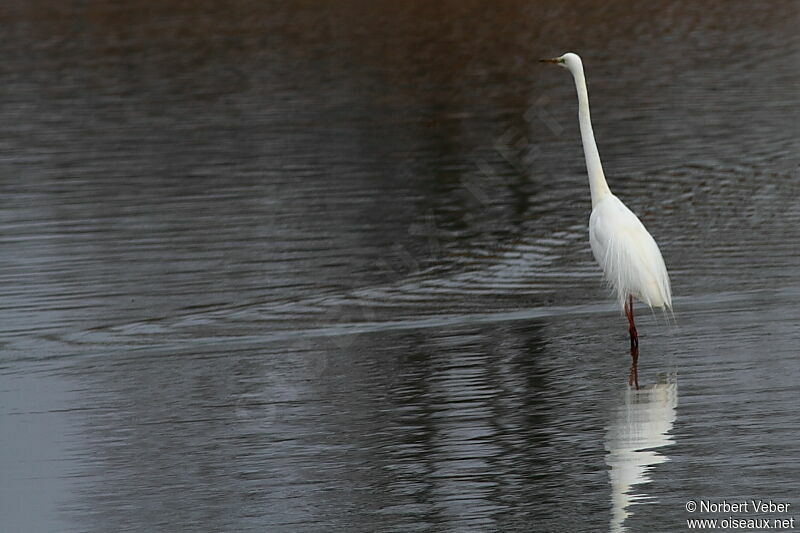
column 325, row 267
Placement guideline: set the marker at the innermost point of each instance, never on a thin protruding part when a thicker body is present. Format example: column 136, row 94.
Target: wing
column 628, row 254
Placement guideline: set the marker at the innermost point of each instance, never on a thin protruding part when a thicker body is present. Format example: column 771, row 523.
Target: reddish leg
column 633, row 379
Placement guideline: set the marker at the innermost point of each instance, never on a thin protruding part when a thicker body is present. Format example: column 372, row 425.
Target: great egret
column 627, row 253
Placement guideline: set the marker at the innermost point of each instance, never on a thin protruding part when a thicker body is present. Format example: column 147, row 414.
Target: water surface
column 325, row 266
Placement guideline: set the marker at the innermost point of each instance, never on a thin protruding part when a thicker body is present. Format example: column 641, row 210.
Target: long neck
column 597, row 180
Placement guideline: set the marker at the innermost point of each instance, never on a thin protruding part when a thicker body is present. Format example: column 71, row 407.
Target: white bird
column 629, row 256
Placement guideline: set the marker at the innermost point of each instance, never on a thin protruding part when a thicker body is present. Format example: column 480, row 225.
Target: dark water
column 325, row 266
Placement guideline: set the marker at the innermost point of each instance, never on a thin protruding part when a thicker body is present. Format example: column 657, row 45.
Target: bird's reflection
column 638, row 427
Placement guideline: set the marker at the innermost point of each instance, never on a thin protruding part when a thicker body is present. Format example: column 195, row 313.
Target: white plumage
column 628, row 254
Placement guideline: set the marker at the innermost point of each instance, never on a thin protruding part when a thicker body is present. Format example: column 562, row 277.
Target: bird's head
column 569, row 61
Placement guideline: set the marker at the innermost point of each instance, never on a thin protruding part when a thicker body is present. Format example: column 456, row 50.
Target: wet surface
column 325, row 268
